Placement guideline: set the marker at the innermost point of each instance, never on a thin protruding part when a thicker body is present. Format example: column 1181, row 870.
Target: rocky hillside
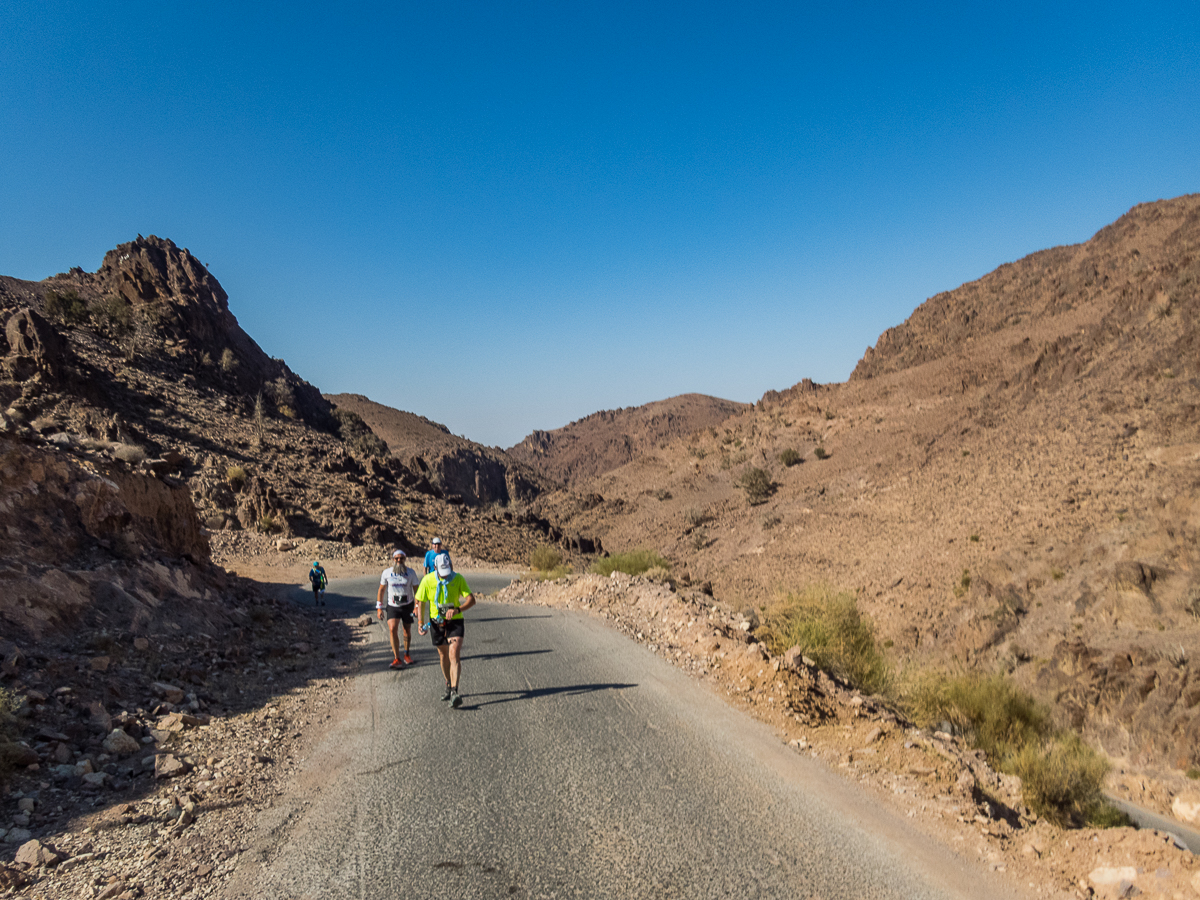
column 142, row 366
column 608, row 439
column 464, row 471
column 1010, row 480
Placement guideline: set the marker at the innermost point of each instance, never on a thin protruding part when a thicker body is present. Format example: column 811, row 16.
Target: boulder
column 120, row 743
column 18, row 754
column 1186, row 807
column 34, row 853
column 167, row 765
column 168, row 692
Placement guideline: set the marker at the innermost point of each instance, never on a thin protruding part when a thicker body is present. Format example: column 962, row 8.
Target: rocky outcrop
column 91, row 540
column 171, row 291
column 34, row 346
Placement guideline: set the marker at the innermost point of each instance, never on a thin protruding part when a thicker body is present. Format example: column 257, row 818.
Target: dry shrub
column 999, row 718
column 236, row 476
column 790, row 457
column 130, row 453
column 635, row 562
column 1061, row 776
column 9, row 704
column 544, row 558
column 1061, row 780
column 827, row 626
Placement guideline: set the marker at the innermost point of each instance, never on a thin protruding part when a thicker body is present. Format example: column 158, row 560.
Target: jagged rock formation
column 605, row 440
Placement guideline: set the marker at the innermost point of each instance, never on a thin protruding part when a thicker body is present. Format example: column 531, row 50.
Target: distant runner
column 316, row 575
column 446, row 595
column 435, row 547
column 396, row 585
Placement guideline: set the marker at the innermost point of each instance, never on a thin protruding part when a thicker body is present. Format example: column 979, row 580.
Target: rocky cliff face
column 91, row 540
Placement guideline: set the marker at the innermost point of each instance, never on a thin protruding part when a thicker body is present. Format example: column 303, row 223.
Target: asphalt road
column 580, row 765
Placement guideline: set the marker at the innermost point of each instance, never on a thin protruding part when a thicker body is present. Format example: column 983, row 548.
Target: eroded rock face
column 33, row 346
column 80, row 538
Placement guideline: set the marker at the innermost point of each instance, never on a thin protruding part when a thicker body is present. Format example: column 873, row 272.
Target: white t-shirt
column 401, row 587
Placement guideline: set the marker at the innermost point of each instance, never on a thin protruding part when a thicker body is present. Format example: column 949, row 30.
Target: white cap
column 399, row 554
column 441, row 562
column 436, row 541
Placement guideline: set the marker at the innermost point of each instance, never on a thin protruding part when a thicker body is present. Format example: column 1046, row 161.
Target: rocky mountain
column 464, row 471
column 139, row 420
column 1010, row 480
column 605, row 440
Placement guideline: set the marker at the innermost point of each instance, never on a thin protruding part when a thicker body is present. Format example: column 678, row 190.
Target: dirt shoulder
column 948, row 791
column 212, row 729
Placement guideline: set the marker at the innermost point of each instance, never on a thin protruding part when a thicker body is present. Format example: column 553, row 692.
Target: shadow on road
column 505, row 618
column 486, row 656
column 534, row 693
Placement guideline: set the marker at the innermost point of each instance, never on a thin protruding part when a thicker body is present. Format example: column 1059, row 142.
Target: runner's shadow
column 486, row 656
column 570, row 690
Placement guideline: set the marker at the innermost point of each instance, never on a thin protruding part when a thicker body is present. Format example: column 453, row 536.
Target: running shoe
column 407, row 660
column 455, row 699
column 396, row 664
column 449, row 693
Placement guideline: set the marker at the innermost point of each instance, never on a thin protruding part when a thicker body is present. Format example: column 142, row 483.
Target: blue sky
column 505, row 216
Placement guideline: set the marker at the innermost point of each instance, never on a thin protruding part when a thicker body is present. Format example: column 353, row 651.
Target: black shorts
column 441, row 634
column 403, row 613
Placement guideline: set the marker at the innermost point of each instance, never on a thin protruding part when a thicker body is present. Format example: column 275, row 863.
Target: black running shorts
column 403, row 613
column 441, row 634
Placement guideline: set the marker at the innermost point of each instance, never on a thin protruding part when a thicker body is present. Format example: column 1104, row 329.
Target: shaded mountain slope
column 469, row 472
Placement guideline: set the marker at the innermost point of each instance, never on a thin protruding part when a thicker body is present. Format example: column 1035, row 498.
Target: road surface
column 579, row 765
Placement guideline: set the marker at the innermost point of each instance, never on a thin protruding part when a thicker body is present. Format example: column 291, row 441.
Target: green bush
column 66, row 307
column 790, row 457
column 115, row 312
column 827, row 626
column 821, row 453
column 757, row 484
column 1061, row 781
column 545, row 558
column 355, row 432
column 635, row 562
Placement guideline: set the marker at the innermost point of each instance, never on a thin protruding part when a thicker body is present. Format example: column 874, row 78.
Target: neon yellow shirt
column 456, row 588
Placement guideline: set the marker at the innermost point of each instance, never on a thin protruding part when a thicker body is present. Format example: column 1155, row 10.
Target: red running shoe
column 396, row 664
column 407, row 659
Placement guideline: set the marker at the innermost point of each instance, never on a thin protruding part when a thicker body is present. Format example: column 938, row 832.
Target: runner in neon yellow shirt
column 443, row 595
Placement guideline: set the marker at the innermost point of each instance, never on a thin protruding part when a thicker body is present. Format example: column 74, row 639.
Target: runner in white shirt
column 396, row 586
